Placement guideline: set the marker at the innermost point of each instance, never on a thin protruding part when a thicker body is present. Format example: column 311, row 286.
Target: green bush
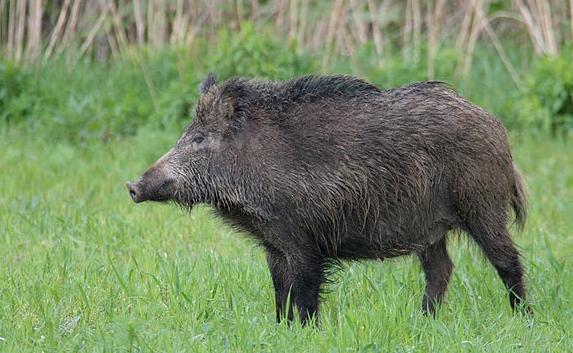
column 83, row 100
column 547, row 101
column 87, row 100
column 13, row 81
column 91, row 100
column 255, row 53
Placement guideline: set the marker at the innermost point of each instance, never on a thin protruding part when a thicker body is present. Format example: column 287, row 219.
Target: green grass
column 83, row 269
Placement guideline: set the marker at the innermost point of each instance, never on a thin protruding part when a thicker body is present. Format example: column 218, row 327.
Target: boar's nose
column 134, row 191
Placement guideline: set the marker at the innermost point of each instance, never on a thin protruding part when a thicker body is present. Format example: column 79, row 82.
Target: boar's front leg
column 299, row 275
column 282, row 281
column 308, row 276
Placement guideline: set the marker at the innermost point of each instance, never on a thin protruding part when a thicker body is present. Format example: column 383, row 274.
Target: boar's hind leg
column 437, row 267
column 282, row 281
column 502, row 253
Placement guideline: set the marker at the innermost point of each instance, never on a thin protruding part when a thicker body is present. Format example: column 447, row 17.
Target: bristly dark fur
column 325, row 169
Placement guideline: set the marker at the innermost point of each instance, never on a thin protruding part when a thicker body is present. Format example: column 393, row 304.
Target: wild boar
column 324, row 169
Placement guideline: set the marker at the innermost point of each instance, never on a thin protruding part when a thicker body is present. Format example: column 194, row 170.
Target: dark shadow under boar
column 323, row 169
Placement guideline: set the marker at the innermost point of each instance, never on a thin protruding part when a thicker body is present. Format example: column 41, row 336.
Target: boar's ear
column 235, row 97
column 207, row 83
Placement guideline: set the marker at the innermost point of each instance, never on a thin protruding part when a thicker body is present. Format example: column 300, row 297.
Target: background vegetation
column 512, row 56
column 92, row 92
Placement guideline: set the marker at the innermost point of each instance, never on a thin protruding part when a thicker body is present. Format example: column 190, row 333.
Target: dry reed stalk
column 430, row 39
column 407, row 29
column 150, row 22
column 416, row 28
column 464, row 30
column 376, row 37
column 71, row 29
column 539, row 16
column 111, row 41
column 2, row 32
column 218, row 16
column 434, row 20
column 335, row 15
column 191, row 34
column 186, row 21
column 293, row 19
column 376, row 27
column 538, row 25
column 94, row 31
column 571, row 19
column 34, row 31
column 11, row 28
column 25, row 26
column 503, row 56
column 197, row 19
column 360, row 28
column 302, row 27
column 178, row 23
column 531, row 28
column 239, row 13
column 162, row 20
column 558, row 7
column 412, row 29
column 539, row 20
column 317, row 39
column 29, row 29
column 484, row 24
column 57, row 29
column 21, row 16
column 280, row 10
column 120, row 38
column 348, row 41
column 139, row 22
column 548, row 26
column 156, row 24
column 254, row 10
column 473, row 36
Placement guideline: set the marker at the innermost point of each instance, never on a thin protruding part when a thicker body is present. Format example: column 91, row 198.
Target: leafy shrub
column 13, row 80
column 159, row 88
column 86, row 100
column 547, row 101
column 90, row 100
column 255, row 53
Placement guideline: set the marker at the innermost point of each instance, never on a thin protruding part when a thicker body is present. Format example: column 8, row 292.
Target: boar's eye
column 198, row 141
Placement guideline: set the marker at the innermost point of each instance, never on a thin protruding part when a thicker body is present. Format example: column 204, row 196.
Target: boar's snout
column 151, row 189
column 156, row 184
column 134, row 192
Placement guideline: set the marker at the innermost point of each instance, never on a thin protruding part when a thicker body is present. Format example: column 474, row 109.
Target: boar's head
column 205, row 165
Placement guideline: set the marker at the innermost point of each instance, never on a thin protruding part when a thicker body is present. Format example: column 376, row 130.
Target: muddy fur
column 324, row 169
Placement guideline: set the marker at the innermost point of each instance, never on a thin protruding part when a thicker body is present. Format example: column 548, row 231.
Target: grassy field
column 83, row 269
column 91, row 94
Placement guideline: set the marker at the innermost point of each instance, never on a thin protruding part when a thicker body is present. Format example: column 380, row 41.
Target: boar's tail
column 518, row 199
